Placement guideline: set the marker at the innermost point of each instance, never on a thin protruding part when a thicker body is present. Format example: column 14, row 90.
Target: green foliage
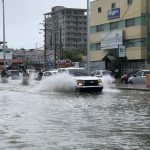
column 75, row 55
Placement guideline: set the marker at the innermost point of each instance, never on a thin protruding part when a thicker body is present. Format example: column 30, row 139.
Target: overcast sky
column 22, row 18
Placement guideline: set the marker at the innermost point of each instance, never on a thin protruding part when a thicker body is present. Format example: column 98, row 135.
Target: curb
column 131, row 87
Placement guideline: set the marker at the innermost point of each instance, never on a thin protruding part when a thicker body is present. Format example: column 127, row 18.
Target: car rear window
column 133, row 72
column 146, row 72
column 107, row 72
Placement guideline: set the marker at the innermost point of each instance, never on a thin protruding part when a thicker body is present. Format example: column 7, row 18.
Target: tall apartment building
column 65, row 29
column 120, row 29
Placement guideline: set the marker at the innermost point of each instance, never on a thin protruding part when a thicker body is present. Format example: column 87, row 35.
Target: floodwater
column 37, row 117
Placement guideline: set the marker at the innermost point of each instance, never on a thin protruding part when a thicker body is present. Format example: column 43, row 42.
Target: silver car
column 139, row 77
column 101, row 73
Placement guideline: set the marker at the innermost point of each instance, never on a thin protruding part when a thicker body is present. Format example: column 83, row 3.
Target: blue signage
column 114, row 13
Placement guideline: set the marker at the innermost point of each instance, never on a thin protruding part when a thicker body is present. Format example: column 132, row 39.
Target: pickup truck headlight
column 100, row 82
column 80, row 82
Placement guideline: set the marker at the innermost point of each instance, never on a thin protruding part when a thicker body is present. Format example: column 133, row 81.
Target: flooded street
column 32, row 119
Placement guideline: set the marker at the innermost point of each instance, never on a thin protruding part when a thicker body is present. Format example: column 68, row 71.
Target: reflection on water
column 32, row 119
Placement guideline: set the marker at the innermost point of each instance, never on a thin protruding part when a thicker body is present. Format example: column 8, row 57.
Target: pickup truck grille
column 91, row 82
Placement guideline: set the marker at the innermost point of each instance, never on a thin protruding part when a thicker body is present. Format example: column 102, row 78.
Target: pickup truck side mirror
column 92, row 74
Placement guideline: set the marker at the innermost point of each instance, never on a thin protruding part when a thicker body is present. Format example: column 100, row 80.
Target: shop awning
column 110, row 57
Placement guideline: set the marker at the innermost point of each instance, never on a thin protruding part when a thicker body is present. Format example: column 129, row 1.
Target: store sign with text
column 122, row 52
column 114, row 13
column 112, row 39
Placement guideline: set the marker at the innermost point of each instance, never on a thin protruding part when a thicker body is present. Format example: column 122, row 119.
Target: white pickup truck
column 84, row 81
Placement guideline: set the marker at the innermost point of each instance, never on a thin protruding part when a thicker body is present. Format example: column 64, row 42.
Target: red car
column 124, row 78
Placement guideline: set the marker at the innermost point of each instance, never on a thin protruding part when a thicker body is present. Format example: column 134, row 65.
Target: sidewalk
column 142, row 87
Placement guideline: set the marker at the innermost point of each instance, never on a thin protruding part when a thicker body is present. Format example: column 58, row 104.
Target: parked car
column 101, row 73
column 125, row 71
column 83, row 81
column 139, row 77
column 107, row 76
column 125, row 77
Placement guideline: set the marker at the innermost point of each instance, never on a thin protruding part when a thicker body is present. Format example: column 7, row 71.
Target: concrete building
column 120, row 33
column 65, row 29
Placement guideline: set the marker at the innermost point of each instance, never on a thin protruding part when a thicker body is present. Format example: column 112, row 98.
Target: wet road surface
column 35, row 119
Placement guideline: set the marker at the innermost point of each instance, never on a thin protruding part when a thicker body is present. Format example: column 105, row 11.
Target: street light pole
column 148, row 38
column 45, row 41
column 88, row 36
column 4, row 35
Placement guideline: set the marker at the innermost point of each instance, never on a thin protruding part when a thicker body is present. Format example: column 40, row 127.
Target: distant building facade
column 14, row 58
column 29, row 58
column 65, row 29
column 120, row 28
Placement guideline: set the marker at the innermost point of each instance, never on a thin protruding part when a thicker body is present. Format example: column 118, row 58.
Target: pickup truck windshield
column 78, row 72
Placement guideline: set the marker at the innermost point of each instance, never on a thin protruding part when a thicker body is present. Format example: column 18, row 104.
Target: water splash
column 59, row 82
column 67, row 83
column 108, row 82
column 54, row 84
column 107, row 79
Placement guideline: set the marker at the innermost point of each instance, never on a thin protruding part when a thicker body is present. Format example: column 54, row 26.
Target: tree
column 74, row 56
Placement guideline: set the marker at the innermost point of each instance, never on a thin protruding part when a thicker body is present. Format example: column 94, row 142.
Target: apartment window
column 113, row 25
column 135, row 42
column 129, row 2
column 130, row 43
column 130, row 22
column 98, row 46
column 100, row 28
column 113, row 5
column 95, row 46
column 99, row 9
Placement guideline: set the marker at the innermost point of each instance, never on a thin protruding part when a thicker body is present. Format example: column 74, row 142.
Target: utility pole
column 51, row 40
column 55, row 50
column 60, row 45
column 45, row 40
column 4, row 51
column 36, row 46
column 88, row 36
column 148, row 33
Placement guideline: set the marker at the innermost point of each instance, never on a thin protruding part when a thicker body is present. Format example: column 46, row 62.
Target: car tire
column 130, row 82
